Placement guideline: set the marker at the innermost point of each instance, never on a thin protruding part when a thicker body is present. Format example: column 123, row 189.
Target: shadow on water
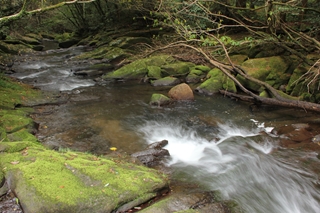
column 215, row 142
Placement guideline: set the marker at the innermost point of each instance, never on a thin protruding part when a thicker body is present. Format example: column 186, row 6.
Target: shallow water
column 215, row 142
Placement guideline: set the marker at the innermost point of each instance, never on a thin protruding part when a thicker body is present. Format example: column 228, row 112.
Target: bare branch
column 23, row 12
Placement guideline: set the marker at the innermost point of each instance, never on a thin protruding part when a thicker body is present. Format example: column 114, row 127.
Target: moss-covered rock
column 159, row 100
column 50, row 181
column 12, row 123
column 216, row 80
column 154, row 72
column 177, row 69
column 14, row 47
column 197, row 73
column 273, row 70
column 22, row 134
column 3, row 134
column 30, row 40
column 166, row 81
column 14, row 93
column 139, row 68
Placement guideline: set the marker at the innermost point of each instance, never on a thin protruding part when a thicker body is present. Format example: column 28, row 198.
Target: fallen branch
column 278, row 100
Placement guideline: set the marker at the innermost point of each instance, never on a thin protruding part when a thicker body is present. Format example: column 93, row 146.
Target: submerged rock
column 166, row 81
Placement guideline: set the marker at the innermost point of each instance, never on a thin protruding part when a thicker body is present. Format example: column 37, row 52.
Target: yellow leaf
column 113, row 148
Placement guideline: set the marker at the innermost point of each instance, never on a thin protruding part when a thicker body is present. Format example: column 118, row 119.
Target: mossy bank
column 51, row 181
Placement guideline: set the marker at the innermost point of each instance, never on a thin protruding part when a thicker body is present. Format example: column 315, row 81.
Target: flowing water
column 215, row 142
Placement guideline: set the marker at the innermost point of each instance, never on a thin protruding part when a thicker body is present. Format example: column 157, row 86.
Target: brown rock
column 181, row 92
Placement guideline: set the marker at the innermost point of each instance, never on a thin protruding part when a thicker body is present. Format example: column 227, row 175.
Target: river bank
column 35, row 179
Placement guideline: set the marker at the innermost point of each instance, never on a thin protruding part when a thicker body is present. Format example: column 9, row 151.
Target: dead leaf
column 14, row 162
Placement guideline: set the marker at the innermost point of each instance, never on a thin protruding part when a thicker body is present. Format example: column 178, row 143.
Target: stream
column 214, row 142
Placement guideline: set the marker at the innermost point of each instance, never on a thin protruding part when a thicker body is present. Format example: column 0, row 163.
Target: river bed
column 214, row 142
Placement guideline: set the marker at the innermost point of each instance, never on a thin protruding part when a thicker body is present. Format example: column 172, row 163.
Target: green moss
column 177, row 69
column 139, row 68
column 12, row 147
column 216, row 80
column 13, row 123
column 154, row 72
column 73, row 177
column 22, row 135
column 264, row 94
column 270, row 69
column 14, row 93
column 202, row 68
column 63, row 37
column 159, row 99
column 3, row 134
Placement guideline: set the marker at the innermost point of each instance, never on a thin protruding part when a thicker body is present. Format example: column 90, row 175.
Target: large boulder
column 275, row 71
column 181, row 92
column 50, row 181
column 216, row 80
column 177, row 69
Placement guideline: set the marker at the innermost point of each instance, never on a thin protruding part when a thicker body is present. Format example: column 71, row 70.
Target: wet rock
column 316, row 139
column 291, row 135
column 158, row 145
column 181, row 92
column 153, row 155
column 205, row 202
column 9, row 204
column 159, row 100
column 166, row 81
